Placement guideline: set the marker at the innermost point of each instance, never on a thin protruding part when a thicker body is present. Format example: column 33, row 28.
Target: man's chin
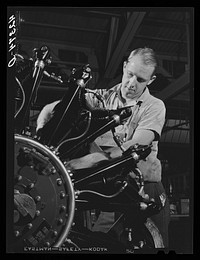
column 130, row 95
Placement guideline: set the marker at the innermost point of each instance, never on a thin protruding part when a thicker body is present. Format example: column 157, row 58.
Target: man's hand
column 87, row 161
column 114, row 152
column 45, row 114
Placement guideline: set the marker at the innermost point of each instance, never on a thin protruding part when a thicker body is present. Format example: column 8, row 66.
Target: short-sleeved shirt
column 148, row 113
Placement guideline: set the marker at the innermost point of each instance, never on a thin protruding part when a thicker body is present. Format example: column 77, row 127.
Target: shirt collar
column 142, row 98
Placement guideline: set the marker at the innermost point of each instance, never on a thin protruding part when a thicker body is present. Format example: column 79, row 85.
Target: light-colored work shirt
column 148, row 113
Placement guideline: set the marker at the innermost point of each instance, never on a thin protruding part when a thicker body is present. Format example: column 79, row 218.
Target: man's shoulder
column 108, row 92
column 115, row 88
column 155, row 101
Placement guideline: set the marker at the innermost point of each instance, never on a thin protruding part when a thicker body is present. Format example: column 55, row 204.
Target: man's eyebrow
column 140, row 77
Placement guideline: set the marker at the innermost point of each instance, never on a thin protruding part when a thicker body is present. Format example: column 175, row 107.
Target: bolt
column 31, row 185
column 63, row 208
column 43, row 205
column 17, row 233
column 135, row 156
column 143, row 206
column 37, row 198
column 141, row 244
column 53, row 170
column 70, row 172
column 19, row 177
column 37, row 213
column 55, row 233
column 59, row 181
column 62, row 194
column 29, row 225
column 60, row 221
column 64, row 162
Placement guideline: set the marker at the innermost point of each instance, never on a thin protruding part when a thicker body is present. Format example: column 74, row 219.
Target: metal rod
column 160, row 22
column 112, row 37
column 112, row 165
column 93, row 136
column 37, row 79
column 188, row 39
column 66, row 110
column 159, row 39
column 105, row 13
column 64, row 27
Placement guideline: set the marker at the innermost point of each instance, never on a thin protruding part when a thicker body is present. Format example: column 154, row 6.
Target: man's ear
column 151, row 80
column 124, row 65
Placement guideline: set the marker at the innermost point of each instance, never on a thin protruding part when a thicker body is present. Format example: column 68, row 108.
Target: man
column 143, row 127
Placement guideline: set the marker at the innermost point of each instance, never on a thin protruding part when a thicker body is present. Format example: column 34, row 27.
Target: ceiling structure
column 104, row 37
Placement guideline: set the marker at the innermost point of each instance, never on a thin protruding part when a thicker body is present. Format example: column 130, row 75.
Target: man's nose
column 132, row 81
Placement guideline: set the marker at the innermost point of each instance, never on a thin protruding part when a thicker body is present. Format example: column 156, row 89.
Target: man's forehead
column 136, row 64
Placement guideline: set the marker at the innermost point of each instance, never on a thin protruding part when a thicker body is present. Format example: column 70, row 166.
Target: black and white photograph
column 99, row 130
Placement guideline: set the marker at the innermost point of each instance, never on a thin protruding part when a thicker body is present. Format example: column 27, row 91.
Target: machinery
column 50, row 198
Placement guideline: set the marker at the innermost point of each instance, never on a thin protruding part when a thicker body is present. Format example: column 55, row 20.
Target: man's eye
column 140, row 80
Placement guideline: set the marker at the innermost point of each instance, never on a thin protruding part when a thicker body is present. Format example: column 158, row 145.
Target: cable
column 103, row 195
column 23, row 98
column 75, row 138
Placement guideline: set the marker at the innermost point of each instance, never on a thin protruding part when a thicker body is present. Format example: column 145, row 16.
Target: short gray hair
column 148, row 55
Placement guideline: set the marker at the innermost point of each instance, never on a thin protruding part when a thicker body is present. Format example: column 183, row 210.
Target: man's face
column 136, row 76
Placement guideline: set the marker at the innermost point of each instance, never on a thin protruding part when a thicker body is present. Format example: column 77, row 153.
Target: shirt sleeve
column 45, row 114
column 153, row 117
column 96, row 97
